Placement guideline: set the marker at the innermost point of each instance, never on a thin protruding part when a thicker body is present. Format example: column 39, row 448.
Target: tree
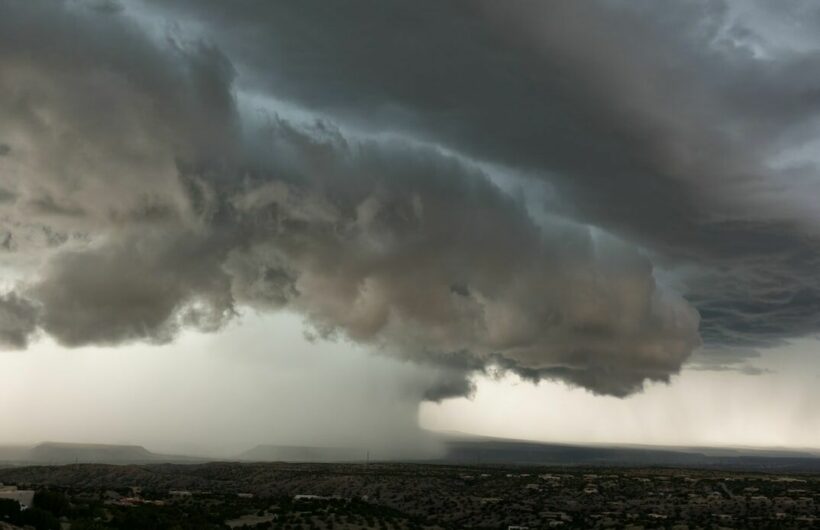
column 51, row 501
column 39, row 519
column 9, row 509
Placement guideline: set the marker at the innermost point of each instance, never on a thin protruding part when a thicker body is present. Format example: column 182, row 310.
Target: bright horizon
column 98, row 396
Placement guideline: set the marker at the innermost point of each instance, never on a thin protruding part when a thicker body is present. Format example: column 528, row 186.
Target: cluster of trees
column 207, row 513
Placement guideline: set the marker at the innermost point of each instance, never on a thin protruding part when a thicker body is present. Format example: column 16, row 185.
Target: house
column 25, row 498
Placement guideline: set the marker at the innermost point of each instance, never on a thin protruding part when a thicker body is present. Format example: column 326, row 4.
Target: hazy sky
column 231, row 223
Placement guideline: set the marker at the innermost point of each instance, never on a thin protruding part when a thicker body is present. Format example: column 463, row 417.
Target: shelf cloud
column 586, row 192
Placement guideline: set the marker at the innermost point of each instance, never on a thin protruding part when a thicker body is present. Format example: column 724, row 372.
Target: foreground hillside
column 399, row 496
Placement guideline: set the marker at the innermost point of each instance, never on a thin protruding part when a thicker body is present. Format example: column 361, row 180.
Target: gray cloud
column 131, row 288
column 100, row 115
column 18, row 321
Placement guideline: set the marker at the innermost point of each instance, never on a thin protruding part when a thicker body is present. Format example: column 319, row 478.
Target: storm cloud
column 18, row 320
column 574, row 191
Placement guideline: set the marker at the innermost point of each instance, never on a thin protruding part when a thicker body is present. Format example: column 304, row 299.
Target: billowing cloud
column 402, row 248
column 18, row 320
column 412, row 251
column 689, row 129
column 157, row 185
column 133, row 287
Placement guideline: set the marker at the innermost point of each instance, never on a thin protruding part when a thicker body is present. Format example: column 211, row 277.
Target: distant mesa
column 459, row 449
column 71, row 453
column 66, row 453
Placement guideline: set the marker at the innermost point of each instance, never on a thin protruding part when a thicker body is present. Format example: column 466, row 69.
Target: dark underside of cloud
column 580, row 191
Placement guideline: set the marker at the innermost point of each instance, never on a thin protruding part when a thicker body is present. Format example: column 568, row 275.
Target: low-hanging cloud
column 401, row 248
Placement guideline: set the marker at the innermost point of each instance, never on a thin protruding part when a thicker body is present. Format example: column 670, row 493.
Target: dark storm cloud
column 187, row 209
column 762, row 287
column 168, row 203
column 665, row 123
column 136, row 286
column 720, row 357
column 367, row 241
column 99, row 115
column 565, row 87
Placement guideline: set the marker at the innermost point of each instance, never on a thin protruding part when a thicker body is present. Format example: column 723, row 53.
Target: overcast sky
column 231, row 223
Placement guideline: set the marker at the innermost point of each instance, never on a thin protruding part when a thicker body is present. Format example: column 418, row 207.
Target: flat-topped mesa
column 52, row 452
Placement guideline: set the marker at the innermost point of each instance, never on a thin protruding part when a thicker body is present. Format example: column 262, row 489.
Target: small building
column 180, row 493
column 304, row 497
column 25, row 498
